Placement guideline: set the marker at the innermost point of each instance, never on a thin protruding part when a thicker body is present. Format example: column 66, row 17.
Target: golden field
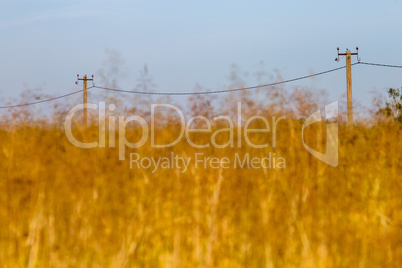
column 62, row 206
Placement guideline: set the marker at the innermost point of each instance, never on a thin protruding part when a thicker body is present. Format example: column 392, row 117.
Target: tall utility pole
column 85, row 98
column 348, row 55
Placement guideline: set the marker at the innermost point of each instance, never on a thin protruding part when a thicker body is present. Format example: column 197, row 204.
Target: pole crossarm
column 350, row 53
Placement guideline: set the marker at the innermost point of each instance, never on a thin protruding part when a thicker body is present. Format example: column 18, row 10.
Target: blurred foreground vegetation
column 62, row 206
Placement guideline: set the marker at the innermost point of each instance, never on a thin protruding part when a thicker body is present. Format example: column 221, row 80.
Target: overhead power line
column 381, row 65
column 221, row 91
column 41, row 101
column 200, row 93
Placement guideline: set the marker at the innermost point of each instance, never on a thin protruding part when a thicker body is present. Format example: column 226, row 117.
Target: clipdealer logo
column 177, row 161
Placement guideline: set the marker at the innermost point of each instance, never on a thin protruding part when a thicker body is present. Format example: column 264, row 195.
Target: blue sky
column 44, row 44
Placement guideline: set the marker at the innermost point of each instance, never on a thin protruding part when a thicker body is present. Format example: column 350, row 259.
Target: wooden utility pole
column 349, row 87
column 85, row 98
column 348, row 55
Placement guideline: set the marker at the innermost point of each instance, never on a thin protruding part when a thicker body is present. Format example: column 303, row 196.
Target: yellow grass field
column 63, row 206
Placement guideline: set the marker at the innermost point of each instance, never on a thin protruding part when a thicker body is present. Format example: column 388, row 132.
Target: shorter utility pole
column 85, row 98
column 348, row 55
